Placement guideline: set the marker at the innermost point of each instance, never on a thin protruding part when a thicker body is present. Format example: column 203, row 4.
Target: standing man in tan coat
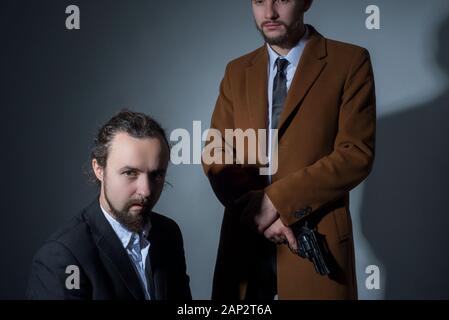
column 319, row 94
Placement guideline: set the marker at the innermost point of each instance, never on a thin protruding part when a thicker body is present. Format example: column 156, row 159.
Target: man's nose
column 144, row 186
column 270, row 10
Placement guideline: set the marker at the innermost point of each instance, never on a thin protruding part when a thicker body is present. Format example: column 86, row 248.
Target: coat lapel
column 309, row 68
column 108, row 242
column 256, row 84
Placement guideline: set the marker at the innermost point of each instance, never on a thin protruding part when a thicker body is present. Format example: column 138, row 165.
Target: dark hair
column 137, row 125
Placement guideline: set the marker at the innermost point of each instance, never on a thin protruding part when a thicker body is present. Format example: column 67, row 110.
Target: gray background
column 166, row 58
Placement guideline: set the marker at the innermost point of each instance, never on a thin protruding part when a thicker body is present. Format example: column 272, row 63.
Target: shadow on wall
column 405, row 215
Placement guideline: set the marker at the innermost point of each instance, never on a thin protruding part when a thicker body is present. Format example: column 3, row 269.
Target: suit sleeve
column 309, row 189
column 229, row 181
column 48, row 275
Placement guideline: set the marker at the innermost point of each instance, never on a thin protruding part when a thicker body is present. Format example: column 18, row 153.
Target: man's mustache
column 273, row 22
column 141, row 202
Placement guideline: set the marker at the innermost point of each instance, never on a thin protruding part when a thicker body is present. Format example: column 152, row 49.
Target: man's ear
column 98, row 170
column 307, row 4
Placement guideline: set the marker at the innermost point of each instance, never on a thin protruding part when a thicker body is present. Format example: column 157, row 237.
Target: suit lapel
column 108, row 242
column 309, row 68
column 155, row 266
column 160, row 284
column 150, row 276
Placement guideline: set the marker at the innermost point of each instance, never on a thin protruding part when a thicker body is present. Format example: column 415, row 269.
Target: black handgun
column 309, row 248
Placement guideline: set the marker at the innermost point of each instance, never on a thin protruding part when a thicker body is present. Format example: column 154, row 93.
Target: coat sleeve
column 303, row 192
column 48, row 275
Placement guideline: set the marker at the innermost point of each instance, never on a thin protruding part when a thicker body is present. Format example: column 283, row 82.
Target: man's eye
column 159, row 176
column 130, row 174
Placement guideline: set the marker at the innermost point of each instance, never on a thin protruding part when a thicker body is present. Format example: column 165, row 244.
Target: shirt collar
column 293, row 56
column 123, row 233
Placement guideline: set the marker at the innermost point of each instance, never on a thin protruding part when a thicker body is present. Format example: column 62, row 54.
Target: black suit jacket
column 106, row 272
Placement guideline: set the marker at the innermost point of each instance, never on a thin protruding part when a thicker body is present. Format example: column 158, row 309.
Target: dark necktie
column 279, row 91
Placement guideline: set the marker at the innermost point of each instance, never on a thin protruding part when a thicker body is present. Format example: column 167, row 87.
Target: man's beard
column 291, row 33
column 133, row 222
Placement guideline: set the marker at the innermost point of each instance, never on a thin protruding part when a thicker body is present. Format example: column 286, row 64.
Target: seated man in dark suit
column 117, row 248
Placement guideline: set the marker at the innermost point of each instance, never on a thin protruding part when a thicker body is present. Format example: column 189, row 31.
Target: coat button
column 300, row 213
column 303, row 212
